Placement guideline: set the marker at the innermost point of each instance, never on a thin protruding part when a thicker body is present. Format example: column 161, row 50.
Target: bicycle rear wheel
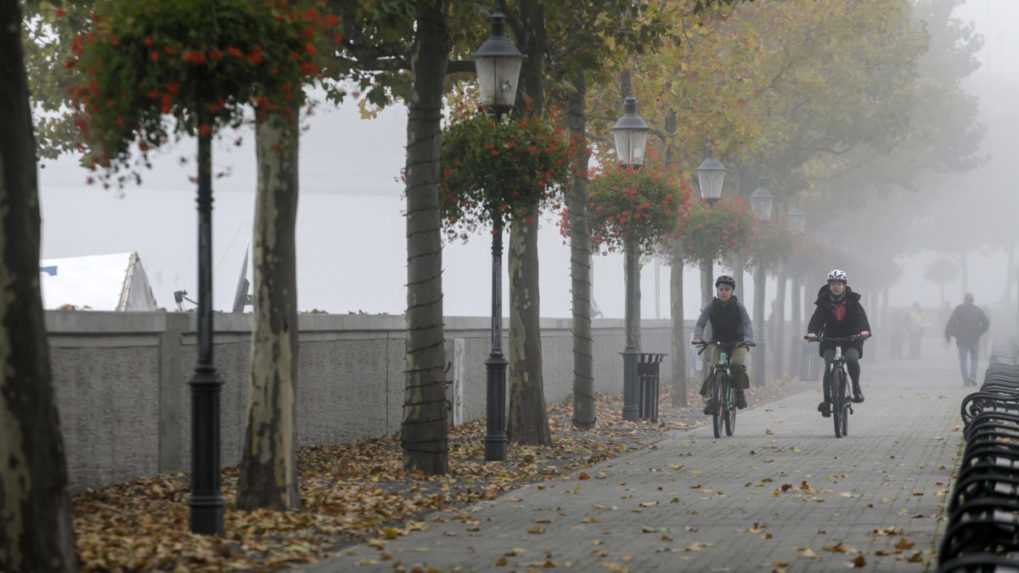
column 729, row 410
column 838, row 389
column 716, row 395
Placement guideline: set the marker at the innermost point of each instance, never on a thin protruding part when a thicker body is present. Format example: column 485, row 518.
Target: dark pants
column 968, row 361
column 852, row 356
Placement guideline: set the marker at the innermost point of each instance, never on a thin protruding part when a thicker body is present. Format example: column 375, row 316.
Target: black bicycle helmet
column 725, row 280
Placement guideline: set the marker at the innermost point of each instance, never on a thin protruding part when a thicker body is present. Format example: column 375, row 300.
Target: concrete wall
column 121, row 381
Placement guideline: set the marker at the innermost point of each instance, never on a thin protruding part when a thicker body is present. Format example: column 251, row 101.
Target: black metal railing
column 982, row 531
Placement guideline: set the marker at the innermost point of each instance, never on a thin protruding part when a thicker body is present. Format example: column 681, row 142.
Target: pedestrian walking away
column 967, row 324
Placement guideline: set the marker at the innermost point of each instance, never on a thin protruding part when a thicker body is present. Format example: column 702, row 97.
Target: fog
column 351, row 230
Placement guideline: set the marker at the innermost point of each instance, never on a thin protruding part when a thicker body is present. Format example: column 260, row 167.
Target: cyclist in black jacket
column 839, row 314
column 730, row 325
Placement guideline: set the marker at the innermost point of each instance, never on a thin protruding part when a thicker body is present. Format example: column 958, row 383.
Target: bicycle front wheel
column 846, row 405
column 716, row 395
column 729, row 410
column 838, row 395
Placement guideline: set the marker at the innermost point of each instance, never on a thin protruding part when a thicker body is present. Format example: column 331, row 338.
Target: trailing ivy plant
column 501, row 169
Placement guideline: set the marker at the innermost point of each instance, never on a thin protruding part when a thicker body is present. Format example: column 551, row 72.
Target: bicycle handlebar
column 704, row 344
column 836, row 339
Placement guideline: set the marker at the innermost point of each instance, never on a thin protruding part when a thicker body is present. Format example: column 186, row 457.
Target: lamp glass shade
column 711, row 177
column 761, row 201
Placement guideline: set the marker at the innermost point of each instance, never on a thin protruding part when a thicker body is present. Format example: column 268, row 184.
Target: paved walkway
column 782, row 495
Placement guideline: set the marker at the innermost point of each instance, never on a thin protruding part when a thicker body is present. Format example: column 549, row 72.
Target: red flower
column 147, row 41
column 234, row 51
column 309, row 49
column 215, row 54
column 70, row 63
column 173, row 88
column 61, row 13
column 331, row 20
column 255, row 56
column 165, row 103
column 204, row 130
column 193, row 56
column 114, row 40
column 308, row 68
column 154, row 56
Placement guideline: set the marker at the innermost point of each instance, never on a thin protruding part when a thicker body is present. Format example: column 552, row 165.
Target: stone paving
column 782, row 495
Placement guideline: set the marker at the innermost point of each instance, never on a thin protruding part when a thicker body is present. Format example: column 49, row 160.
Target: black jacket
column 967, row 324
column 824, row 320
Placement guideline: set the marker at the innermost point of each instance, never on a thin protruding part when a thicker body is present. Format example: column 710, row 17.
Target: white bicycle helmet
column 838, row 275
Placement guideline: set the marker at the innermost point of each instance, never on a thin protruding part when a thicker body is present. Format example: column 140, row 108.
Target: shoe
column 710, row 407
column 857, row 394
column 825, row 409
column 741, row 399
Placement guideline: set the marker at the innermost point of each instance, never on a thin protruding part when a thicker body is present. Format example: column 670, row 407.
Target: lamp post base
column 630, row 389
column 495, row 436
column 206, row 499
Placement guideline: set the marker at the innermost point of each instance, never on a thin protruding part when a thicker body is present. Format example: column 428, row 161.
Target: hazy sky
column 351, row 230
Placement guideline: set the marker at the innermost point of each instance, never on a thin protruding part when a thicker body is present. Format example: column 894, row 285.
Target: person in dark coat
column 967, row 324
column 839, row 314
column 731, row 326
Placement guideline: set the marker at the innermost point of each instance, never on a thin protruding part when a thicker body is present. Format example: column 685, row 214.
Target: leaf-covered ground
column 351, row 493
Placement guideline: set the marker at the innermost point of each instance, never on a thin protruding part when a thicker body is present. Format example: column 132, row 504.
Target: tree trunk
column 778, row 342
column 964, row 259
column 760, row 329
column 268, row 470
column 707, row 282
column 1006, row 298
column 528, row 421
column 739, row 266
column 795, row 350
column 679, row 341
column 36, row 533
column 424, row 431
column 584, row 410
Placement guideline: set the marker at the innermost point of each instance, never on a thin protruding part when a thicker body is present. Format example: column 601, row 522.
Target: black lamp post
column 761, row 201
column 498, row 64
column 206, row 499
column 710, row 179
column 631, row 134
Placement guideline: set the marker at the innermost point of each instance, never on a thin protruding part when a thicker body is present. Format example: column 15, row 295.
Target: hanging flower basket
column 510, row 168
column 199, row 62
column 710, row 232
column 643, row 204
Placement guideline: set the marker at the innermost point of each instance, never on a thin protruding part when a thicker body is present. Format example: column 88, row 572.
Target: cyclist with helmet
column 839, row 314
column 730, row 325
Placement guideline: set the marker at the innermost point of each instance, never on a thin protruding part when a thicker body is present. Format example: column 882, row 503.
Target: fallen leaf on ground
column 859, row 561
column 807, row 552
column 536, row 530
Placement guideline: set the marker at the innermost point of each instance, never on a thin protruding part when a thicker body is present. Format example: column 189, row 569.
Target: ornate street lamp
column 631, row 134
column 711, row 177
column 761, row 201
column 498, row 64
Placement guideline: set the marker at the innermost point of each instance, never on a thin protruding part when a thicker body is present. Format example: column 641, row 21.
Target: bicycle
column 837, row 380
column 723, row 392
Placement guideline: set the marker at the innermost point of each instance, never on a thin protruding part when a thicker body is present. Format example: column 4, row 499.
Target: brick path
column 694, row 503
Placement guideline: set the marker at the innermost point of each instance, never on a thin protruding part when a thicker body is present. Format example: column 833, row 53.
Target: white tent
column 99, row 282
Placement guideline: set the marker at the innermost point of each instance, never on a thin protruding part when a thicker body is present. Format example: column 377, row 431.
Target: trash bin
column 648, row 372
